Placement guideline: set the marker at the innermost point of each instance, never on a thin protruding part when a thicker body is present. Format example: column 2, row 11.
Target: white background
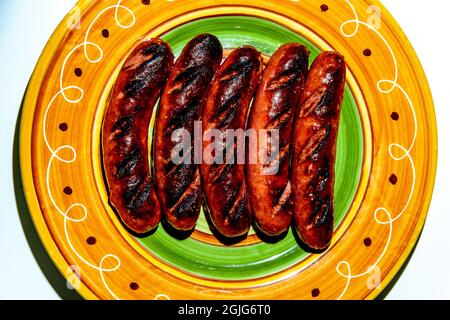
column 26, row 25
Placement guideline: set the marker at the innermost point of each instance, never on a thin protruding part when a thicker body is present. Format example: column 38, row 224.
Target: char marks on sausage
column 178, row 184
column 125, row 134
column 227, row 107
column 314, row 156
column 276, row 100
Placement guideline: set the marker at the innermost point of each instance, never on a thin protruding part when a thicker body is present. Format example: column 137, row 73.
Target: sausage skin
column 276, row 100
column 227, row 107
column 314, row 150
column 178, row 184
column 125, row 134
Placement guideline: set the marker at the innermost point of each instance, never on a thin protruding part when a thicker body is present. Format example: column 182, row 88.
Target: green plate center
column 261, row 259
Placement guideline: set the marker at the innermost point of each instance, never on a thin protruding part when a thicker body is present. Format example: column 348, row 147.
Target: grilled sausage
column 276, row 100
column 314, row 150
column 125, row 134
column 178, row 184
column 226, row 107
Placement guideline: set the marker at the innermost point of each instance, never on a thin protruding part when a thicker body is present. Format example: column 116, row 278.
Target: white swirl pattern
column 405, row 152
column 110, row 259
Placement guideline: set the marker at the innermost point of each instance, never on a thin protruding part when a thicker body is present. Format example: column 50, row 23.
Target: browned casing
column 125, row 134
column 276, row 100
column 314, row 150
column 227, row 107
column 179, row 184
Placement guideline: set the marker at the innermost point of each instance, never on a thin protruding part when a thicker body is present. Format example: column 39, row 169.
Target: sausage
column 314, row 150
column 226, row 108
column 276, row 100
column 179, row 184
column 125, row 135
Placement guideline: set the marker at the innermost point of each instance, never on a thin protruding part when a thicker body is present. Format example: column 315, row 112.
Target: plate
column 385, row 170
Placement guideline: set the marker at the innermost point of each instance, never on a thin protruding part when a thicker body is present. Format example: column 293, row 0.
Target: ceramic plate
column 386, row 154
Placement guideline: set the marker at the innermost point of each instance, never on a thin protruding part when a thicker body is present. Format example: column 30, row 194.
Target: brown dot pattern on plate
column 78, row 72
column 105, row 33
column 324, row 8
column 145, row 2
column 367, row 242
column 63, row 126
column 367, row 52
column 395, row 116
column 315, row 292
column 91, row 241
column 134, row 286
column 393, row 179
column 67, row 190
